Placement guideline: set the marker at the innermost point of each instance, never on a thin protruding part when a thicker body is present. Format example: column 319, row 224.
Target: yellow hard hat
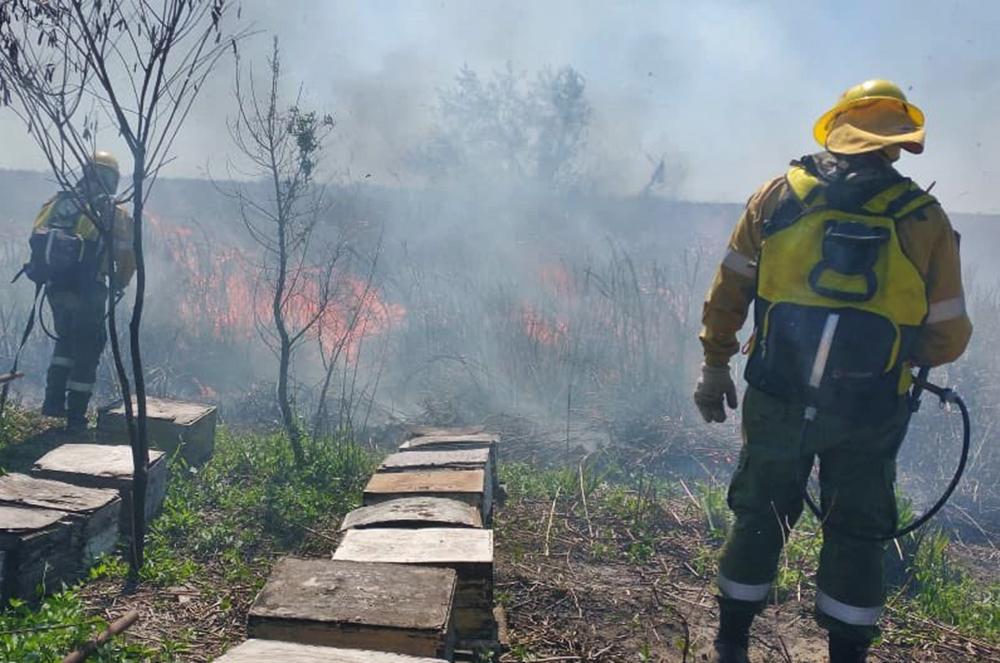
column 880, row 115
column 106, row 160
column 103, row 171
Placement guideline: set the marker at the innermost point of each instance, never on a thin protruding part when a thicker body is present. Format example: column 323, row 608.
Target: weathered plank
column 171, row 425
column 38, row 550
column 468, row 551
column 393, row 608
column 423, row 431
column 414, row 512
column 24, row 490
column 273, row 651
column 105, row 466
column 457, row 459
column 435, row 546
column 97, row 509
column 468, row 486
column 445, row 440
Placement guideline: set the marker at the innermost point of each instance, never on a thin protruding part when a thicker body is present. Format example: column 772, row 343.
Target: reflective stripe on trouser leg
column 742, row 591
column 81, row 387
column 849, row 614
column 67, row 362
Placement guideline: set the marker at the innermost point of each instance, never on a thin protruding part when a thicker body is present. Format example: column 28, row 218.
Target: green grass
column 222, row 524
column 945, row 593
column 627, row 512
column 51, row 630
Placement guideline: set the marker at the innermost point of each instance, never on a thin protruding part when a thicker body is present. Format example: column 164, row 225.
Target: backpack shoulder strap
column 900, row 200
column 802, row 191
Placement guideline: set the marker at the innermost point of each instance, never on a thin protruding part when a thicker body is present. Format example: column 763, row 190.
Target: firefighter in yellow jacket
column 854, row 274
column 77, row 263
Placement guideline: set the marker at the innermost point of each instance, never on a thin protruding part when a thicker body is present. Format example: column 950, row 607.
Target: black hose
column 946, row 396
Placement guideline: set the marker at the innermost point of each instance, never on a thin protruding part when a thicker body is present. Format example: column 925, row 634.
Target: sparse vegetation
column 221, row 528
column 637, row 564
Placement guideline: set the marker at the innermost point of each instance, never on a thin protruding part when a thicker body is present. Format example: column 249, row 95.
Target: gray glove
column 714, row 385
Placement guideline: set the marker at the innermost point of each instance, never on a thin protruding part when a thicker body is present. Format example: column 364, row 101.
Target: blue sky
column 726, row 90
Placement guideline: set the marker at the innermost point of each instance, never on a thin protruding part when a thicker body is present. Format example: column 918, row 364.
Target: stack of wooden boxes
column 77, row 500
column 412, row 577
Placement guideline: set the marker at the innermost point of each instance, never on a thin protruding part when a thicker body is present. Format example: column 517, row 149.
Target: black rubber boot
column 54, row 404
column 76, row 411
column 843, row 650
column 732, row 643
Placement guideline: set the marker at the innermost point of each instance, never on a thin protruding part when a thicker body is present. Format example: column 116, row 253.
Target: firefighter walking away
column 81, row 245
column 853, row 272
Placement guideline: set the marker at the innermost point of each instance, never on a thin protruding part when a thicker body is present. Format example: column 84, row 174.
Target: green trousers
column 78, row 318
column 857, row 470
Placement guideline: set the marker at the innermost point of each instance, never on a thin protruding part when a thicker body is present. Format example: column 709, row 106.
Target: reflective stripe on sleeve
column 740, row 591
column 945, row 310
column 740, row 264
column 82, row 387
column 62, row 361
column 849, row 614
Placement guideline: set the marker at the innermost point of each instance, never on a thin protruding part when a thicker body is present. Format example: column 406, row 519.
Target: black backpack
column 59, row 255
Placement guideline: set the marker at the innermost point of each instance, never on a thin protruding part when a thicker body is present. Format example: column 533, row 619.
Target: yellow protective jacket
column 122, row 234
column 927, row 239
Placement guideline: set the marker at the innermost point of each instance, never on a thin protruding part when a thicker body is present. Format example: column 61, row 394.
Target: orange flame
column 224, row 289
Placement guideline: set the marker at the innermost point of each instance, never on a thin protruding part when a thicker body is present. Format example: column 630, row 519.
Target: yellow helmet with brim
column 870, row 116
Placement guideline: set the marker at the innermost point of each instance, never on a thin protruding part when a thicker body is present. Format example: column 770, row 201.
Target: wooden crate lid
column 337, row 592
column 433, row 460
column 417, row 546
column 473, row 440
column 273, row 651
column 421, row 431
column 181, row 413
column 18, row 519
column 452, row 481
column 23, row 490
column 111, row 461
column 422, row 511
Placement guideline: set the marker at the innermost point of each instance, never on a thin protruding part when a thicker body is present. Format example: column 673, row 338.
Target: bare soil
column 566, row 603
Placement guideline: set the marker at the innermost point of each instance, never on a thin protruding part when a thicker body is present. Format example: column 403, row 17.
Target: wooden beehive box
column 171, row 425
column 96, row 510
column 37, row 548
column 468, row 486
column 468, row 551
column 104, row 466
column 273, row 651
column 386, row 607
column 446, row 460
column 445, row 440
column 414, row 512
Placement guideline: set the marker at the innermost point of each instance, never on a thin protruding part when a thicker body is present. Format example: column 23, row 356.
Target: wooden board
column 457, row 459
column 16, row 520
column 423, row 431
column 468, row 486
column 475, row 441
column 438, row 546
column 272, row 651
column 387, row 607
column 104, row 466
column 171, row 425
column 98, row 509
column 24, row 490
column 414, row 512
column 468, row 551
